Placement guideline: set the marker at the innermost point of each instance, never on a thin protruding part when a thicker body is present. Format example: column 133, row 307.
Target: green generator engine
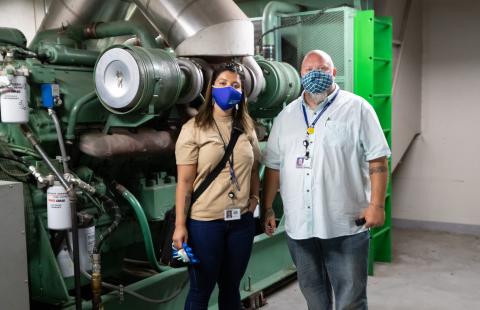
column 92, row 134
column 88, row 125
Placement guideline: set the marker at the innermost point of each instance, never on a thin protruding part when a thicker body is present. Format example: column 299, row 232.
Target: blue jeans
column 338, row 264
column 223, row 248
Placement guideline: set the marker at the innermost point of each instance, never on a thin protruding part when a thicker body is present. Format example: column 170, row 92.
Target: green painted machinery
column 106, row 121
column 108, row 128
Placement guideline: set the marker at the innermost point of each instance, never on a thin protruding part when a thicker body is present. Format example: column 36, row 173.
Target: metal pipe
column 63, row 151
column 71, row 179
column 72, row 118
column 72, row 196
column 73, row 207
column 269, row 18
column 29, row 135
column 74, row 12
column 63, row 55
column 144, row 227
column 96, row 282
column 120, row 28
column 125, row 290
column 65, row 13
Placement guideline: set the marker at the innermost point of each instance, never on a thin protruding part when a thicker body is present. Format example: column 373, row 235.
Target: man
column 328, row 155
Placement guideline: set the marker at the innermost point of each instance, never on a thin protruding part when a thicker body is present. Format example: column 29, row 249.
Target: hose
column 23, row 150
column 106, row 233
column 72, row 118
column 144, row 227
column 16, row 160
column 14, row 174
column 95, row 202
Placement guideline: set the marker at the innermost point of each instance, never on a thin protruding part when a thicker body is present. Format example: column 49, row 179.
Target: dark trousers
column 223, row 248
column 338, row 264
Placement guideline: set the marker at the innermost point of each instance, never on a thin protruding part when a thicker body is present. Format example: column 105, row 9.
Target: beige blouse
column 204, row 147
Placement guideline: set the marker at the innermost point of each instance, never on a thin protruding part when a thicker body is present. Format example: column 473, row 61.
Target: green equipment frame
column 373, row 81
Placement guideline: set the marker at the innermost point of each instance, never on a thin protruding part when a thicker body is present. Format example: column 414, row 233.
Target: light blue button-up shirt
column 325, row 200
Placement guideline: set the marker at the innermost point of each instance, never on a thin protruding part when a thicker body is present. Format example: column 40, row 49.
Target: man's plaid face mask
column 317, row 81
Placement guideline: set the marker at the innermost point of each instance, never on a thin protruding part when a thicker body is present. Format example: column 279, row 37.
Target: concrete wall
column 407, row 85
column 439, row 178
column 407, row 71
column 25, row 15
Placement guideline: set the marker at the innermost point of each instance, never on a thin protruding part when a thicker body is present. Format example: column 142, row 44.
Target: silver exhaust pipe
column 201, row 27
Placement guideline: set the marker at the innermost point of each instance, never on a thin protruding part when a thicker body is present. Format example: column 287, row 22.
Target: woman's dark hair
column 204, row 118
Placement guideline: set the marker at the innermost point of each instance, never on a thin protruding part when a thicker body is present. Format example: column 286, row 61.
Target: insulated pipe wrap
column 145, row 142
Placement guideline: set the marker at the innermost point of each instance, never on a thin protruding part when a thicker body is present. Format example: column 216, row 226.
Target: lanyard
column 233, row 177
column 311, row 127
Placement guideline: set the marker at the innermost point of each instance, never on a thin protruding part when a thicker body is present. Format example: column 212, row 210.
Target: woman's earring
column 236, row 106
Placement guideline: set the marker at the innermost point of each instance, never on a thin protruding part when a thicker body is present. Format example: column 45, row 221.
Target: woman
column 220, row 226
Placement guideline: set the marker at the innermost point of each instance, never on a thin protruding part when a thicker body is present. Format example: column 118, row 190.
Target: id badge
column 300, row 161
column 307, row 163
column 232, row 214
column 304, row 163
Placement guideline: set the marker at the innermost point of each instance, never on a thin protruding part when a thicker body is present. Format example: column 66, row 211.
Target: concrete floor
column 430, row 270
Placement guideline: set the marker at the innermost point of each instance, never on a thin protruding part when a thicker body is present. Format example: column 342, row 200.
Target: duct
column 201, row 27
column 125, row 143
column 74, row 12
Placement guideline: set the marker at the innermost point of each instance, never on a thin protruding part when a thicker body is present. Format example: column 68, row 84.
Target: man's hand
column 374, row 215
column 270, row 225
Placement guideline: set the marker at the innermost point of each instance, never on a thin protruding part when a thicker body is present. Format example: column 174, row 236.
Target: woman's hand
column 253, row 202
column 180, row 235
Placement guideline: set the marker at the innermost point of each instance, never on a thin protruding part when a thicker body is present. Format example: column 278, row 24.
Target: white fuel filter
column 58, row 208
column 14, row 102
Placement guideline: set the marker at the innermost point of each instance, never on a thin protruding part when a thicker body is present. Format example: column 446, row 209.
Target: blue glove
column 184, row 254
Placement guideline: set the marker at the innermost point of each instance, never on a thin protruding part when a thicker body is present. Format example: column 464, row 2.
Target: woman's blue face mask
column 317, row 81
column 226, row 97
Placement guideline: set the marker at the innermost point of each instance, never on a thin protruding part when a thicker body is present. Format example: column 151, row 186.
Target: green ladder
column 373, row 81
